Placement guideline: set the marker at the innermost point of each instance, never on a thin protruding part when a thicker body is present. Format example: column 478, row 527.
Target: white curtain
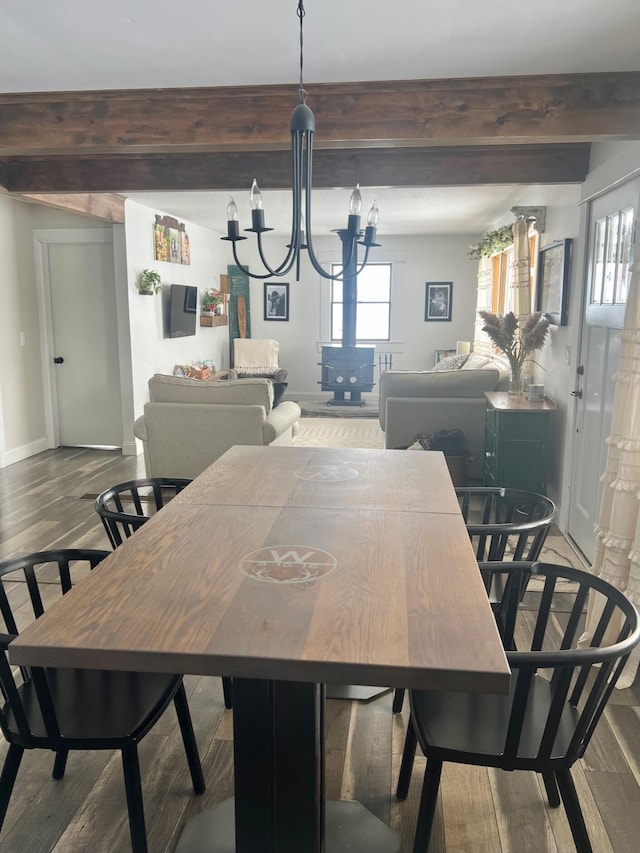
column 617, row 557
column 517, row 281
column 521, row 282
column 481, row 341
column 521, row 279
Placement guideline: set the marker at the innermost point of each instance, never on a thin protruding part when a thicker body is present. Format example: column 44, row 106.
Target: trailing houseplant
column 148, row 282
column 492, row 242
column 517, row 344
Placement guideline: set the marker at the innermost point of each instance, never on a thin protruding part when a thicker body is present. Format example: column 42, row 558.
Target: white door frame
column 42, row 239
column 578, row 341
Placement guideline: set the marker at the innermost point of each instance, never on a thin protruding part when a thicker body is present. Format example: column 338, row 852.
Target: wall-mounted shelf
column 214, row 320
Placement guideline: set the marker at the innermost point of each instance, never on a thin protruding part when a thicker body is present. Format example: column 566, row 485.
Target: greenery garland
column 492, row 242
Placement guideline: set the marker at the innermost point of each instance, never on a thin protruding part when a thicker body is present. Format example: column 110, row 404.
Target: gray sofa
column 187, row 423
column 414, row 402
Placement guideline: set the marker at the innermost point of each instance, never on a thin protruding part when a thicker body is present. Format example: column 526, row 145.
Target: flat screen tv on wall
column 182, row 310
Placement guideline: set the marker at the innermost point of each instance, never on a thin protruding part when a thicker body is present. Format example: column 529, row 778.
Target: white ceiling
column 121, row 44
column 436, row 210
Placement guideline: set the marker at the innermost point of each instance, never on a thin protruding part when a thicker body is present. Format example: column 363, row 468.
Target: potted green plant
column 148, row 282
column 211, row 301
column 516, row 345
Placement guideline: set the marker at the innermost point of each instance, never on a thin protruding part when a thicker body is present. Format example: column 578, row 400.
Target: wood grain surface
column 389, row 480
column 404, row 605
column 518, row 402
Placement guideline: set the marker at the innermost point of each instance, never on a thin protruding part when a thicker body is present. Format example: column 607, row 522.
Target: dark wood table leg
column 279, row 783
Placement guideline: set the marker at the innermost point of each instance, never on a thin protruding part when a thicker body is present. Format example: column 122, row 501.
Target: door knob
column 58, row 360
column 577, row 393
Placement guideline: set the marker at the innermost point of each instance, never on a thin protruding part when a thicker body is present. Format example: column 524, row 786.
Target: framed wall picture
column 276, row 301
column 441, row 354
column 438, row 296
column 552, row 289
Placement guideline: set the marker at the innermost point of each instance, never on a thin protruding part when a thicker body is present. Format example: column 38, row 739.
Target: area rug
column 343, row 432
column 320, row 409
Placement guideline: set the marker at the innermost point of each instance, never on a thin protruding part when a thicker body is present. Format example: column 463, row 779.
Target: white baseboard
column 129, row 448
column 23, row 452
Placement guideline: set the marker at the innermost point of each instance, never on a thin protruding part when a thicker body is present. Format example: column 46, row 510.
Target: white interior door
column 611, row 229
column 86, row 401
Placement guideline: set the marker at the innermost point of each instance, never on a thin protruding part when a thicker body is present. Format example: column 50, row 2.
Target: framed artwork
column 438, row 297
column 552, row 288
column 443, row 353
column 161, row 244
column 276, row 301
column 185, row 251
column 174, row 246
column 170, row 241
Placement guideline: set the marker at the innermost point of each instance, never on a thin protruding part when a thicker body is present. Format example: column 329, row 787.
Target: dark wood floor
column 47, row 501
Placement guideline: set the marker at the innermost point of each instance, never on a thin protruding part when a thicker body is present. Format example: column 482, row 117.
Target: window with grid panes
column 373, row 312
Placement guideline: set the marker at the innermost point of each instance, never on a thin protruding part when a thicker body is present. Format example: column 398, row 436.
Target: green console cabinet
column 516, row 443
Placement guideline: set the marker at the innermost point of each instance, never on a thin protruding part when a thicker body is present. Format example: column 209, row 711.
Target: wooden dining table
column 289, row 569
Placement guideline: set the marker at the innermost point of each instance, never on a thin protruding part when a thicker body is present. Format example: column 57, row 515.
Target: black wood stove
column 347, row 370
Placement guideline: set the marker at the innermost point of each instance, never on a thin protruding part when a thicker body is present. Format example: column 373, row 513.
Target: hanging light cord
column 301, row 89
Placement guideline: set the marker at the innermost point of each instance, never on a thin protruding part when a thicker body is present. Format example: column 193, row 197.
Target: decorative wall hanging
column 552, row 291
column 171, row 241
column 239, row 305
column 438, row 298
column 441, row 354
column 276, row 301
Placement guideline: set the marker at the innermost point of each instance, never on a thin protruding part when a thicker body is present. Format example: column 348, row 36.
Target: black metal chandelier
column 302, row 127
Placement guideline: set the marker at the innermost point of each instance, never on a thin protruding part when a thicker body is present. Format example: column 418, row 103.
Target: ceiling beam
column 400, row 167
column 466, row 111
column 106, row 206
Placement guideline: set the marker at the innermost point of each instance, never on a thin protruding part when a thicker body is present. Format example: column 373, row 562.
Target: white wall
column 14, row 360
column 151, row 352
column 22, row 418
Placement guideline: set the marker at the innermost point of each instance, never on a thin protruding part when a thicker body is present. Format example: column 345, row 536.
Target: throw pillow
column 455, row 362
column 476, row 361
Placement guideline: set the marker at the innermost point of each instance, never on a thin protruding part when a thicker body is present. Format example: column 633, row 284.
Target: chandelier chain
column 301, row 89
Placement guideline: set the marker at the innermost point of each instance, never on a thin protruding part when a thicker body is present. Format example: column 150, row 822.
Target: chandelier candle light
column 302, row 126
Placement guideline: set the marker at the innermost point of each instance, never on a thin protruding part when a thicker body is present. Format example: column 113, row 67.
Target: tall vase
column 516, row 384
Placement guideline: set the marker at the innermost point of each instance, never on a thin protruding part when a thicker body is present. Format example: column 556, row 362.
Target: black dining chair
column 558, row 692
column 125, row 507
column 506, row 524
column 503, row 524
column 63, row 709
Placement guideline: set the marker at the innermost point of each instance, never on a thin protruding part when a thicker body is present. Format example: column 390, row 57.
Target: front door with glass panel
column 611, row 228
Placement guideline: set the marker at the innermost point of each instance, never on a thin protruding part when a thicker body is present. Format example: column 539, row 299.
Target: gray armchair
column 188, row 424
